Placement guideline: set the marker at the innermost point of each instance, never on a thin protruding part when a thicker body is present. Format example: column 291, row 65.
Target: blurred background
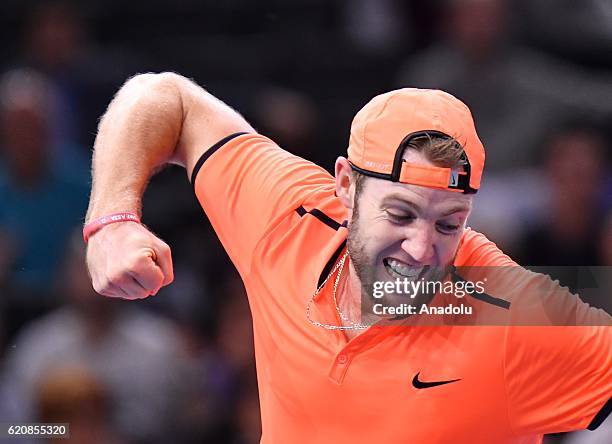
column 179, row 367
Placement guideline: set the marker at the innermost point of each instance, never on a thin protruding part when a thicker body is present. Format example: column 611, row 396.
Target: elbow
column 163, row 82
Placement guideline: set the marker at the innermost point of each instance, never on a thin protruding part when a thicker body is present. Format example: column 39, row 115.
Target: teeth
column 403, row 269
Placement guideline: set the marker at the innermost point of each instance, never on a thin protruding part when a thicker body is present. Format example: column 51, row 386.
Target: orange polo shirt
column 281, row 224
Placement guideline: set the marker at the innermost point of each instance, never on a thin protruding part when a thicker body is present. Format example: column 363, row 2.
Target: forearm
column 138, row 133
column 153, row 120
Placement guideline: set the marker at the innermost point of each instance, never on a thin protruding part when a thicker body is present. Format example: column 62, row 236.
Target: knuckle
column 105, row 290
column 163, row 249
column 98, row 288
column 134, row 262
column 116, row 277
column 136, row 294
column 154, row 280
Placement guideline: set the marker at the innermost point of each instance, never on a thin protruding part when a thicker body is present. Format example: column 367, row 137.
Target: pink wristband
column 95, row 225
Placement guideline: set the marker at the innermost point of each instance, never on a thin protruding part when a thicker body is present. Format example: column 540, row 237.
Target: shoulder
column 244, row 150
column 475, row 249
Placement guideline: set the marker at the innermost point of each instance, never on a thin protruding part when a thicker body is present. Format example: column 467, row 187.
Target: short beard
column 358, row 256
column 365, row 268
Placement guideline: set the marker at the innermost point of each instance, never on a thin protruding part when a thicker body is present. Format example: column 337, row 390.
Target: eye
column 445, row 228
column 400, row 218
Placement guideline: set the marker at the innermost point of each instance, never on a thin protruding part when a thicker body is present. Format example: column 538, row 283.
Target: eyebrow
column 401, row 199
column 454, row 209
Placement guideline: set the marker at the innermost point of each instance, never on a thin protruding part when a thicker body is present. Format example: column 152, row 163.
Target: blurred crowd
column 179, row 367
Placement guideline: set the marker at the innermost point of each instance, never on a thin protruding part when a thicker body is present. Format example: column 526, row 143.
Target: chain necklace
column 354, row 326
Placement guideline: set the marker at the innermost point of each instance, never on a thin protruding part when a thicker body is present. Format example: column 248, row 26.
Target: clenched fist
column 126, row 260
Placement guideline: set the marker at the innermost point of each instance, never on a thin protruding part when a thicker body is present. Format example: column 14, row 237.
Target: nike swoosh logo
column 423, row 385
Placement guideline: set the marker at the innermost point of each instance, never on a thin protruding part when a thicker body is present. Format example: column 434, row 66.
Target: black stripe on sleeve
column 502, row 303
column 325, row 219
column 322, row 217
column 601, row 416
column 209, row 152
column 331, row 263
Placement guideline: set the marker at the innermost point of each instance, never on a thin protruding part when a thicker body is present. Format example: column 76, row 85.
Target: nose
column 419, row 244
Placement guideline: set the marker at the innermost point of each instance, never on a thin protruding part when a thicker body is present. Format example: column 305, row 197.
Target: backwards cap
column 382, row 129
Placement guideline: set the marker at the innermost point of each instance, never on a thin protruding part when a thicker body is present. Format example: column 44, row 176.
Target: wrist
column 98, row 208
column 95, row 225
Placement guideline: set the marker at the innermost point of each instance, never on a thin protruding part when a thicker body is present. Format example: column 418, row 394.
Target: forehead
column 380, row 191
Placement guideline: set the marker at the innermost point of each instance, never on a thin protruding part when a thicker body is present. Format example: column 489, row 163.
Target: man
column 330, row 368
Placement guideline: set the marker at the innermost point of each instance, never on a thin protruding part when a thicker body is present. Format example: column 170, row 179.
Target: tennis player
column 310, row 249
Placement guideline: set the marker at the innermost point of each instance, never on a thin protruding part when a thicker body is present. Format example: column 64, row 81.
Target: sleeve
column 477, row 251
column 558, row 349
column 247, row 184
column 558, row 378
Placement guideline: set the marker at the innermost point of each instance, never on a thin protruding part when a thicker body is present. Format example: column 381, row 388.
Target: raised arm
column 154, row 119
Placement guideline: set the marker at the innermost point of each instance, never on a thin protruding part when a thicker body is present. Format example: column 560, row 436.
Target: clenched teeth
column 404, row 270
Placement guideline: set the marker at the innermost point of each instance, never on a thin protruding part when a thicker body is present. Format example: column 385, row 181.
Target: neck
column 349, row 299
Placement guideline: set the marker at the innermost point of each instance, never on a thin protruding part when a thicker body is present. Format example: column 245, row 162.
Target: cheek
column 446, row 247
column 378, row 238
column 387, row 241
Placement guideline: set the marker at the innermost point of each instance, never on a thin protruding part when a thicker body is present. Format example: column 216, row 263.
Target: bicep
column 206, row 120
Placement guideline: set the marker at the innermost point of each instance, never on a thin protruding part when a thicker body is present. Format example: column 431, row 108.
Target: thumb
column 162, row 256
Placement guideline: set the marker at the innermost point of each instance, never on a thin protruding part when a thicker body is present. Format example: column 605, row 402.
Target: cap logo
column 382, row 166
column 454, row 178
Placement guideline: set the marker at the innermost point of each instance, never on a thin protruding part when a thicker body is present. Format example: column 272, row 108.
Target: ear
column 344, row 184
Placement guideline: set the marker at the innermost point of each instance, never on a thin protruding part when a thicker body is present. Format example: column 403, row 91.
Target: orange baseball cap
column 382, row 129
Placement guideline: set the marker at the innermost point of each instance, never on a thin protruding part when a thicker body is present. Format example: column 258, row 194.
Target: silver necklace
column 354, row 326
